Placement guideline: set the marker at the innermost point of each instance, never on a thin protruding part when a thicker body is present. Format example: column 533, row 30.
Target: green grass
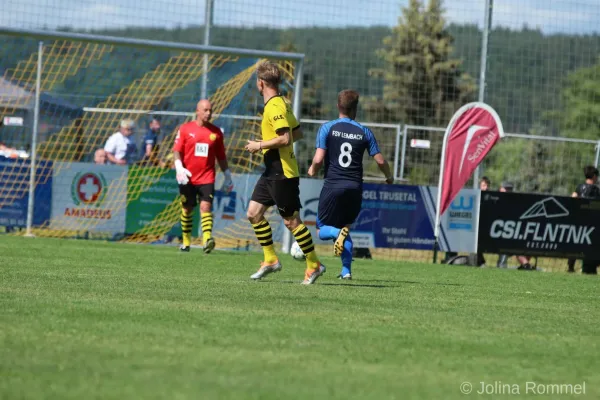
column 85, row 320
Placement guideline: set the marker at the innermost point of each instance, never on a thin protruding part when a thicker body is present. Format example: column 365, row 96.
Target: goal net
column 86, row 90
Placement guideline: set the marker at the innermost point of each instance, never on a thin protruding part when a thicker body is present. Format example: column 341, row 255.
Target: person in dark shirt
column 340, row 147
column 587, row 190
column 150, row 145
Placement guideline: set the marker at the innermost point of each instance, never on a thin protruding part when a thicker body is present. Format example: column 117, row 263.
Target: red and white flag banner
column 472, row 132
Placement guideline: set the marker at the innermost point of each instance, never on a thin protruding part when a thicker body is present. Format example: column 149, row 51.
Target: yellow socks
column 304, row 239
column 186, row 227
column 265, row 238
column 207, row 225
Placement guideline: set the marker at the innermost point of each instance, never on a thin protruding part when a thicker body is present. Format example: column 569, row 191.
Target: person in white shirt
column 120, row 147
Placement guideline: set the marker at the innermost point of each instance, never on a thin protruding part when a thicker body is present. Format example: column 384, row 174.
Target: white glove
column 181, row 173
column 227, row 182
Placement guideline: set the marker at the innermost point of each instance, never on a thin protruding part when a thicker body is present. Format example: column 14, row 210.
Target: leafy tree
column 422, row 83
column 313, row 104
column 580, row 115
column 537, row 165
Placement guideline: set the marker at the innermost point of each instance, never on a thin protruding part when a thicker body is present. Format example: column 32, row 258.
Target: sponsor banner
column 160, row 191
column 229, row 209
column 89, row 197
column 473, row 131
column 458, row 225
column 400, row 216
column 530, row 224
column 13, row 199
column 394, row 216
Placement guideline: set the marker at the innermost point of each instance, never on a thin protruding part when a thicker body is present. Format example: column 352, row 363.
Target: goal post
column 88, row 84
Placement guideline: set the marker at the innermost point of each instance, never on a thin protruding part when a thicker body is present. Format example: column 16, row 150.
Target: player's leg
column 332, row 205
column 260, row 201
column 206, row 194
column 351, row 211
column 286, row 193
column 188, row 202
column 347, row 259
column 325, row 213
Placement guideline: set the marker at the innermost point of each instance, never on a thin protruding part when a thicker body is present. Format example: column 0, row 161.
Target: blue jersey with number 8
column 345, row 142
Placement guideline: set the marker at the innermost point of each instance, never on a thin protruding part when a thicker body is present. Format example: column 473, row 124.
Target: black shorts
column 191, row 194
column 283, row 193
column 339, row 207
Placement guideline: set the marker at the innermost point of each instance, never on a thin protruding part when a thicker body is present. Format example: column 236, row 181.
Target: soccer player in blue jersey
column 341, row 144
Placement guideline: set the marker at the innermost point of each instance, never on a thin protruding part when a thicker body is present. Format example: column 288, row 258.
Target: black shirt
column 588, row 191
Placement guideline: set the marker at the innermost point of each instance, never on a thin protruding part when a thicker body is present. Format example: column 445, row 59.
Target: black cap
column 507, row 185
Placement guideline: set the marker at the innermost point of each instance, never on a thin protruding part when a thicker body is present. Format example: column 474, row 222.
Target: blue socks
column 347, row 256
column 327, row 232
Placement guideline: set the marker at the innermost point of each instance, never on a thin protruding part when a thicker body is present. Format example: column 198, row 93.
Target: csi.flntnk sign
column 537, row 229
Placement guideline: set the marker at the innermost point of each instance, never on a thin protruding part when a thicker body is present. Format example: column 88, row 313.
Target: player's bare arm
column 384, row 167
column 297, row 134
column 317, row 162
column 283, row 139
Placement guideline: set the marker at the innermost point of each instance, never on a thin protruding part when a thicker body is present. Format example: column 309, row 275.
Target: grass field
column 87, row 320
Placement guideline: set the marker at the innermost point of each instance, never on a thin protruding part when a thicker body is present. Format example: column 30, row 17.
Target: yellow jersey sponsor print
column 280, row 163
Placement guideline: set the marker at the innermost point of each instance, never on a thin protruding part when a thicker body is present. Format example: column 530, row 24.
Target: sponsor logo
column 212, row 137
column 278, row 117
column 88, row 188
column 460, row 213
column 538, row 227
column 92, row 213
column 549, row 208
column 470, row 133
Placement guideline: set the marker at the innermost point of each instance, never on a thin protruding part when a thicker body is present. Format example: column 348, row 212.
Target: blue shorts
column 339, row 207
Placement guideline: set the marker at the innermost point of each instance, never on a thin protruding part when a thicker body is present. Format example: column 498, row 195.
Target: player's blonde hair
column 270, row 73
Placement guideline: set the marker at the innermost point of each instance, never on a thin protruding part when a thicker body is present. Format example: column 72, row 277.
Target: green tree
column 535, row 165
column 580, row 115
column 422, row 83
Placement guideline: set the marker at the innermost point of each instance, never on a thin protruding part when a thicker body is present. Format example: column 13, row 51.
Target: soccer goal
column 75, row 89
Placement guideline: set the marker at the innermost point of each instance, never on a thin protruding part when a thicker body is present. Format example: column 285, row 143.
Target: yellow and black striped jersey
column 280, row 163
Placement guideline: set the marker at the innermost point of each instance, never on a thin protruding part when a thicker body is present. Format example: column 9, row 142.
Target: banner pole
column 436, row 228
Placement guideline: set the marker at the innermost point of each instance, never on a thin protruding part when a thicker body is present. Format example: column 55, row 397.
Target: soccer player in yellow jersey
column 279, row 185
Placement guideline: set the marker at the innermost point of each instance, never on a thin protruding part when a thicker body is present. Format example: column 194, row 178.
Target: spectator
column 587, row 190
column 120, row 148
column 151, row 141
column 484, row 184
column 524, row 261
column 100, row 156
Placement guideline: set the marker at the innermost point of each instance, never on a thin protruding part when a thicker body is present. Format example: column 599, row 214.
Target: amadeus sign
column 528, row 224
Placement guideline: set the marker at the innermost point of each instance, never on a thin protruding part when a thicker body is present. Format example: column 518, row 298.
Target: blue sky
column 569, row 16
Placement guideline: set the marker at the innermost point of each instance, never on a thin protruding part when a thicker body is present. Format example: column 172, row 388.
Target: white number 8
column 345, row 158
